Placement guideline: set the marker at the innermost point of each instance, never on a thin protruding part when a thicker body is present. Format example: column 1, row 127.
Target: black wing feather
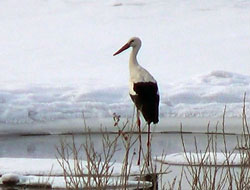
column 147, row 100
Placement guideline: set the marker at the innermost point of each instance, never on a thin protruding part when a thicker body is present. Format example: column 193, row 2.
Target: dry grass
column 206, row 173
column 98, row 171
column 203, row 172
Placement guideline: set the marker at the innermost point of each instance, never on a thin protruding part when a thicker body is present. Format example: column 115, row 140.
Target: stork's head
column 134, row 42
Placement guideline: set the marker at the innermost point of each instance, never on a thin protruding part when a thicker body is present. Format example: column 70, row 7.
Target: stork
column 143, row 90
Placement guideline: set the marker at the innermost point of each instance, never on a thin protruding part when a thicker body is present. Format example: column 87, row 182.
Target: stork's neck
column 133, row 60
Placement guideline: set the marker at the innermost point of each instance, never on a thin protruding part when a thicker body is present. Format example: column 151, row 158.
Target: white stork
column 143, row 89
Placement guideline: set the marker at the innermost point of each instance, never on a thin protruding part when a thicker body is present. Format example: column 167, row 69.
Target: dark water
column 44, row 146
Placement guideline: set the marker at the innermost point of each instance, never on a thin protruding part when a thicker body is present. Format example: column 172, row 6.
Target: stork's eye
column 132, row 41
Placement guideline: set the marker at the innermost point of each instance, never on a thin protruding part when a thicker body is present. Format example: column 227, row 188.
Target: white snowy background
column 56, row 57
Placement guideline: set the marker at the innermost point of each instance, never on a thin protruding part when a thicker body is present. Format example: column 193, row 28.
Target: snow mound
column 202, row 96
column 10, row 179
column 207, row 95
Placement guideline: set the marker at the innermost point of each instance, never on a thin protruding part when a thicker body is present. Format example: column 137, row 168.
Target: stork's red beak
column 126, row 46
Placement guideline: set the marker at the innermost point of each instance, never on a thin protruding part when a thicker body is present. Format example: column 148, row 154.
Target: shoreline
column 97, row 125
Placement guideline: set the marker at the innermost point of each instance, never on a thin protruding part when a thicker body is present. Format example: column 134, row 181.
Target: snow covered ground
column 56, row 57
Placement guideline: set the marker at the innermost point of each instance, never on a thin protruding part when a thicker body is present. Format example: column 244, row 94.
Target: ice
column 59, row 181
column 48, row 171
column 208, row 158
column 36, row 166
column 57, row 64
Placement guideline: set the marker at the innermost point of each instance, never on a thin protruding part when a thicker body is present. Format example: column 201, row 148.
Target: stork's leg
column 139, row 128
column 148, row 145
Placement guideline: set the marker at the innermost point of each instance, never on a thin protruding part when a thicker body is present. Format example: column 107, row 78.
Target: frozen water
column 208, row 158
column 35, row 166
column 48, row 171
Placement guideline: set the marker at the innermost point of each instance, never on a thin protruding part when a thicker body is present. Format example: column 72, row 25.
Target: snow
column 48, row 171
column 208, row 158
column 36, row 166
column 202, row 96
column 59, row 182
column 10, row 178
column 57, row 64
